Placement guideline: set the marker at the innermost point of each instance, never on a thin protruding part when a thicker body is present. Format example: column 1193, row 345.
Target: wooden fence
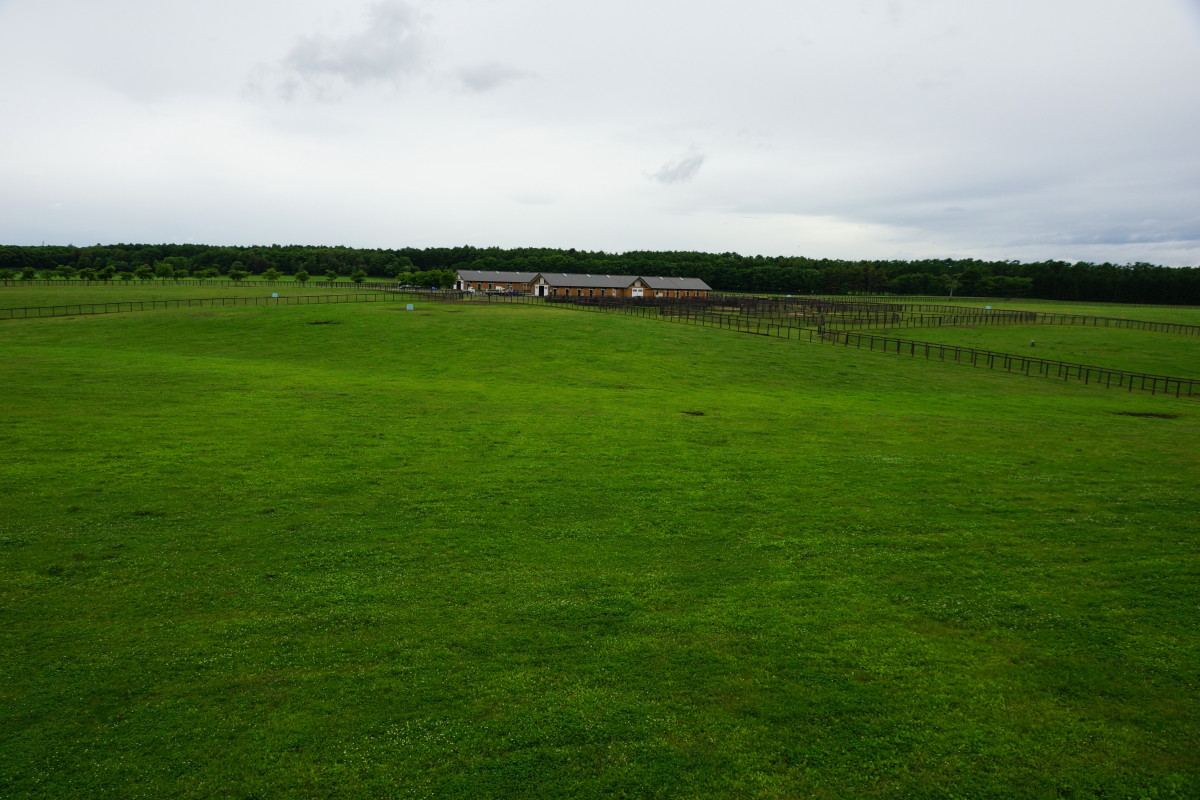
column 372, row 285
column 127, row 306
column 1033, row 366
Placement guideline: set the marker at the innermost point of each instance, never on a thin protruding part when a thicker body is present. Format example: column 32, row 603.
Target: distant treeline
column 1051, row 280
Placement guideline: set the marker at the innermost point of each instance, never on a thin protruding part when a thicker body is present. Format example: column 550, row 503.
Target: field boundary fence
column 128, row 306
column 199, row 282
column 703, row 312
column 849, row 312
column 928, row 316
column 896, row 299
column 1017, row 363
column 763, row 316
column 941, row 298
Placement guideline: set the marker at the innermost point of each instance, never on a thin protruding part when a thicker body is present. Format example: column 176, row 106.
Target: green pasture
column 500, row 551
column 1177, row 355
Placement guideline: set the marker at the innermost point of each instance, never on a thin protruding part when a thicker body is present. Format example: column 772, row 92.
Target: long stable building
column 565, row 284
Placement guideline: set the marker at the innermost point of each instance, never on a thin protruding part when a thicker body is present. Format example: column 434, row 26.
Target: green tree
column 331, row 275
column 238, row 274
column 272, row 274
column 125, row 275
column 358, row 276
column 179, row 264
column 915, row 283
column 302, row 276
column 144, row 273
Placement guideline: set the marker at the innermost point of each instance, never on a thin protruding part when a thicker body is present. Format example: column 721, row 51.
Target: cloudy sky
column 1023, row 129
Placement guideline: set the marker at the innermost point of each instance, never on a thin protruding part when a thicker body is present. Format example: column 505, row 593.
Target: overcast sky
column 1024, row 129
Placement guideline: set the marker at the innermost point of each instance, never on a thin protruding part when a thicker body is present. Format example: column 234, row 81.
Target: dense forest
column 1051, row 280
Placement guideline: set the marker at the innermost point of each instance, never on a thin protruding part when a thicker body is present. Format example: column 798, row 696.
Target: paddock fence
column 128, row 306
column 708, row 314
column 941, row 298
column 368, row 285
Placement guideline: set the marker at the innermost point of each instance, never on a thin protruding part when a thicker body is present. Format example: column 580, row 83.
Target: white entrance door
column 637, row 292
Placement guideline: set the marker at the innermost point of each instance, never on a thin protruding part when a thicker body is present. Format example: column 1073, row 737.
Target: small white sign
column 274, row 294
column 408, row 307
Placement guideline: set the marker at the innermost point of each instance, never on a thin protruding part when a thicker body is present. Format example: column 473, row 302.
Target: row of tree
column 1051, row 280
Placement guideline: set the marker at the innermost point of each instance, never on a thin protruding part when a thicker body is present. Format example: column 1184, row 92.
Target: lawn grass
column 503, row 551
column 1156, row 353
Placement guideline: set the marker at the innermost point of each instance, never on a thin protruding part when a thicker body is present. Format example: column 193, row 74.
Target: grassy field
column 1172, row 354
column 501, row 551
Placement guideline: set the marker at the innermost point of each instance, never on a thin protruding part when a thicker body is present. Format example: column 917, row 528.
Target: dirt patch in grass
column 693, row 413
column 1146, row 414
column 324, row 322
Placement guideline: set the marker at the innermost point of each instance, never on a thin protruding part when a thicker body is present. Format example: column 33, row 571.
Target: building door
column 541, row 290
column 637, row 292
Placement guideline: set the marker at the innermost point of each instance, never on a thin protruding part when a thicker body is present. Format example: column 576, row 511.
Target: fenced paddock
column 1022, row 364
column 790, row 318
column 817, row 320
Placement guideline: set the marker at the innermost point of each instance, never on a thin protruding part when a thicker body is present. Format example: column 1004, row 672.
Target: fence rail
column 696, row 314
column 941, row 298
column 127, row 306
column 1009, row 362
column 202, row 282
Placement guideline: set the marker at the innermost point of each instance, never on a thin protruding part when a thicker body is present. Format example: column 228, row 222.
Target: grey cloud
column 1146, row 232
column 390, row 47
column 681, row 170
column 488, row 76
